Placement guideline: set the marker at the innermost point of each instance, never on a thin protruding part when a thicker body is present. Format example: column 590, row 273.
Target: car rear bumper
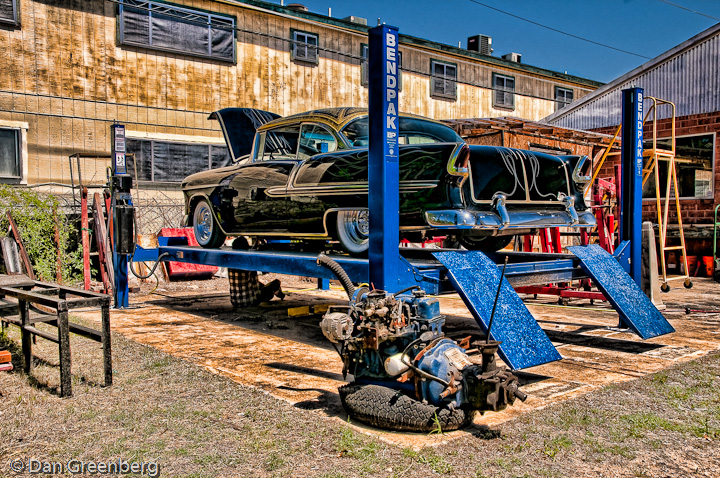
column 504, row 220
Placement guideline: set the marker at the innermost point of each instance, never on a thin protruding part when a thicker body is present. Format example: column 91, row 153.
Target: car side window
column 279, row 143
column 412, row 131
column 314, row 139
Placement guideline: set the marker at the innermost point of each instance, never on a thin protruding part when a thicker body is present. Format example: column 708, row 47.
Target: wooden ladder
column 652, row 157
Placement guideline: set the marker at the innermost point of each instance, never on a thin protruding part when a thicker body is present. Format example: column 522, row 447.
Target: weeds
column 552, row 447
column 437, row 463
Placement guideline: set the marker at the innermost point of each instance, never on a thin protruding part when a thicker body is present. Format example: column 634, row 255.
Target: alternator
column 336, row 326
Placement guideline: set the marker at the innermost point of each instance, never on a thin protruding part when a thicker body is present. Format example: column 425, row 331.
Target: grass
column 556, row 444
column 195, row 423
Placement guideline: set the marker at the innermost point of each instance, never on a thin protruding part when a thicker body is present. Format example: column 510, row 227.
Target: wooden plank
column 106, row 265
column 40, row 333
column 30, row 296
column 23, row 252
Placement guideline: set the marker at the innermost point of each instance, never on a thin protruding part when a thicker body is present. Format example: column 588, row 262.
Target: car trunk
column 520, row 176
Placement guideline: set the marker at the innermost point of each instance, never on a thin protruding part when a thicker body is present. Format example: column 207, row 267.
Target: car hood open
column 239, row 125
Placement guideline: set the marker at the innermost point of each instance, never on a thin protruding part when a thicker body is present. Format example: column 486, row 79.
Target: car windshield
column 412, row 131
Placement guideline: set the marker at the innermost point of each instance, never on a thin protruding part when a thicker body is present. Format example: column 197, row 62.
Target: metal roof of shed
column 688, row 75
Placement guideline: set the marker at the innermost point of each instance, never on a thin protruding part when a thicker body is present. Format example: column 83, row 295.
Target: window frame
column 314, row 126
column 17, row 132
column 713, row 155
column 149, row 4
column 294, row 43
column 365, row 66
column 503, row 105
column 153, row 140
column 15, row 21
column 443, row 94
column 561, row 104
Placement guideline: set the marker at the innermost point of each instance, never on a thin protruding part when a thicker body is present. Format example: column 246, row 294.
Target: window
column 444, row 79
column 412, row 131
column 9, row 12
column 165, row 27
column 314, row 139
column 694, row 165
column 504, row 91
column 9, row 154
column 365, row 67
column 304, row 46
column 563, row 97
column 280, row 143
column 164, row 161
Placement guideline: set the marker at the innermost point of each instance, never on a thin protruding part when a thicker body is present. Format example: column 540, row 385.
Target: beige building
column 70, row 68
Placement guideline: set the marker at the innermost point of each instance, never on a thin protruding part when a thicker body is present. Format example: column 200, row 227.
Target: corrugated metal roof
column 688, row 75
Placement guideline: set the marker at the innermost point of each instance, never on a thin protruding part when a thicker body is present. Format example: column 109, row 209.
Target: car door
column 258, row 188
column 308, row 201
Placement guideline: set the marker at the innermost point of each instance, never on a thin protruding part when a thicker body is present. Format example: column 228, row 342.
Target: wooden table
column 25, row 302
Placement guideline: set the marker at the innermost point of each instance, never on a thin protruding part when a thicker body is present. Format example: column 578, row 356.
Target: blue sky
column 644, row 27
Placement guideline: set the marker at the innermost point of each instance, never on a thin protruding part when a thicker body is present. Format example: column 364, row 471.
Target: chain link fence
column 158, row 209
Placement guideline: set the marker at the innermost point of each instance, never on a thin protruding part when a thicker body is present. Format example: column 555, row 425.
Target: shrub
column 37, row 216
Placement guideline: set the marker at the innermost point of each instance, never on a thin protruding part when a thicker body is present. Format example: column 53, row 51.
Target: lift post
column 384, row 167
column 631, row 184
column 122, row 214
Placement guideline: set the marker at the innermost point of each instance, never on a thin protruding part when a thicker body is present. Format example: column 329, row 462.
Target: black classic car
column 306, row 177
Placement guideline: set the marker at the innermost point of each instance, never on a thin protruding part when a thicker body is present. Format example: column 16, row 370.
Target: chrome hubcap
column 203, row 223
column 357, row 225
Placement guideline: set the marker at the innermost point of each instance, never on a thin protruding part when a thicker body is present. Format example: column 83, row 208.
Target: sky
column 641, row 27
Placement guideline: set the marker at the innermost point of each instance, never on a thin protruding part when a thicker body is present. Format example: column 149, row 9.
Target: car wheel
column 475, row 242
column 353, row 230
column 207, row 231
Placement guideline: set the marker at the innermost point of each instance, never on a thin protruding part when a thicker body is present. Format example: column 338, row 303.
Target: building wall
column 64, row 74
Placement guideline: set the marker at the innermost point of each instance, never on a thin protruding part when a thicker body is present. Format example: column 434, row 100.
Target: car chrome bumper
column 463, row 219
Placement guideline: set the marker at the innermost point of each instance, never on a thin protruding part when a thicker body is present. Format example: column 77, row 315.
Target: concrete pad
column 289, row 358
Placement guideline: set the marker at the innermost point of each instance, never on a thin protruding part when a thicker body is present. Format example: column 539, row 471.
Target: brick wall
column 694, row 211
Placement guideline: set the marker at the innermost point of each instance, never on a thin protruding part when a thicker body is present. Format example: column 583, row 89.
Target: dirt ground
column 266, row 403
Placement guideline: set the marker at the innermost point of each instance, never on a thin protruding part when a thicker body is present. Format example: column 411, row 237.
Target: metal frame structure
column 391, row 268
column 55, row 302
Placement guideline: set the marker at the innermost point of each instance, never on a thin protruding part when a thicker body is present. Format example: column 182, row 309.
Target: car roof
column 335, row 117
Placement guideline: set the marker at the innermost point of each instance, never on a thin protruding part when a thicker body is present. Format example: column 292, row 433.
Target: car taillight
column 458, row 164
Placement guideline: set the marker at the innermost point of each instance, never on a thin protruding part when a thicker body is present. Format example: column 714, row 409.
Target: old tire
column 353, row 230
column 390, row 409
column 474, row 242
column 207, row 232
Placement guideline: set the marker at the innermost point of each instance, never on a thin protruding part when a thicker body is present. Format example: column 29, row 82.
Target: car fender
column 192, row 203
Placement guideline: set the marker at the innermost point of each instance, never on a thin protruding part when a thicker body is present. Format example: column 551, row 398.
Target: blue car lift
column 474, row 275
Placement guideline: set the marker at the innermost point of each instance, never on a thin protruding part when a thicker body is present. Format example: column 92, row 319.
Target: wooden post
column 85, row 237
column 26, row 336
column 64, row 346
column 106, row 342
column 58, row 264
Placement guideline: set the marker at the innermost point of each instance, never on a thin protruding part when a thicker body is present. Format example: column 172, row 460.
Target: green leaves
column 37, row 216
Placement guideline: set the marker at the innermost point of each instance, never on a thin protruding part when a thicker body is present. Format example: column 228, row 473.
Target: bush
column 36, row 217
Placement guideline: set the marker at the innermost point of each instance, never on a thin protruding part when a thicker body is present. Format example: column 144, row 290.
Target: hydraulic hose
column 152, row 271
column 339, row 272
